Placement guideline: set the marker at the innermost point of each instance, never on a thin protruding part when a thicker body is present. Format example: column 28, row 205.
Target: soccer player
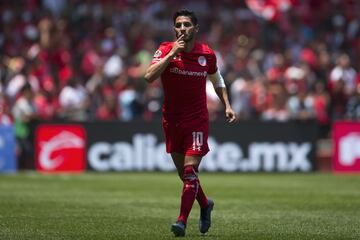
column 183, row 66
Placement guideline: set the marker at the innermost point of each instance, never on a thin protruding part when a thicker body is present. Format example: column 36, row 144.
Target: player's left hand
column 230, row 115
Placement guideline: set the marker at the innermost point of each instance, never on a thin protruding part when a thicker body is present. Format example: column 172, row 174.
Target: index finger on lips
column 180, row 37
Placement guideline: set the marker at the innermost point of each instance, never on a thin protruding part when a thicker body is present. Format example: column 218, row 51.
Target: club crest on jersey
column 202, row 61
column 157, row 54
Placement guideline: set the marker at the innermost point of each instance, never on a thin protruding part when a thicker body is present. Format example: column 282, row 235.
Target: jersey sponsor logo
column 60, row 148
column 157, row 54
column 202, row 61
column 188, row 73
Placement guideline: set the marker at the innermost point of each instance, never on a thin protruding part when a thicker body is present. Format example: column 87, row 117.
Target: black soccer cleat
column 205, row 217
column 178, row 229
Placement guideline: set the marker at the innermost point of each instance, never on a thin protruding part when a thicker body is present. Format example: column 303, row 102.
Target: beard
column 189, row 37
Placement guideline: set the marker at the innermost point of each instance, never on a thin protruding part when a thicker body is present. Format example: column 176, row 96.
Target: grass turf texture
column 144, row 205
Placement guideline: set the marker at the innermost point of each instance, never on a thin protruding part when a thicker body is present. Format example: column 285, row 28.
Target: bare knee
column 192, row 161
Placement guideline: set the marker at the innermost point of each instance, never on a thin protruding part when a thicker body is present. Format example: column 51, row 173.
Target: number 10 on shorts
column 198, row 140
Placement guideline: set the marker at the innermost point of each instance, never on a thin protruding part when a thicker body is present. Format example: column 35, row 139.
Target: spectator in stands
column 5, row 115
column 47, row 105
column 74, row 101
column 353, row 105
column 107, row 110
column 260, row 97
column 51, row 42
column 276, row 68
column 129, row 101
column 301, row 106
column 25, row 113
column 240, row 93
column 276, row 110
column 322, row 108
column 344, row 72
column 339, row 99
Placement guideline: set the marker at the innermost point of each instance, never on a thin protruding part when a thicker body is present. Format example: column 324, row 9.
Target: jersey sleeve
column 161, row 52
column 212, row 63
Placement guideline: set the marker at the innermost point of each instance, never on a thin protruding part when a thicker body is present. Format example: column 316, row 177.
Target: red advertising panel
column 60, row 148
column 346, row 137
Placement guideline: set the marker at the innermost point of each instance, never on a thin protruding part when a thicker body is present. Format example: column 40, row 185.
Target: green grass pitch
column 144, row 205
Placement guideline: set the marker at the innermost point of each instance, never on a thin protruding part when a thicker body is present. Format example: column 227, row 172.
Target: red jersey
column 184, row 81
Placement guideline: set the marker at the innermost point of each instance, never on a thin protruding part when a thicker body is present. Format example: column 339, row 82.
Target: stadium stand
column 85, row 60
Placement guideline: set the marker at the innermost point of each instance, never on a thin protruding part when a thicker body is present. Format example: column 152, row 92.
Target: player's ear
column 197, row 28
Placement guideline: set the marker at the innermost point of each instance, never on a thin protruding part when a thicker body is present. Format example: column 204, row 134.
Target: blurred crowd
column 84, row 60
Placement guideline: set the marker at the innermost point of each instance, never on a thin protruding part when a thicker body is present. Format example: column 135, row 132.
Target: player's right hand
column 179, row 45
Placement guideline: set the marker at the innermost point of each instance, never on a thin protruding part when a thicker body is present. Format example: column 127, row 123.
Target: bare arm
column 220, row 89
column 155, row 70
column 229, row 112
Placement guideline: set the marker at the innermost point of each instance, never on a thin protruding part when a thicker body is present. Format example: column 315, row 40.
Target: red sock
column 201, row 197
column 190, row 189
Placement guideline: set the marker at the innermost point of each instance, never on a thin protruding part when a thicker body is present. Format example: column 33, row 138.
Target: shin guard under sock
column 190, row 190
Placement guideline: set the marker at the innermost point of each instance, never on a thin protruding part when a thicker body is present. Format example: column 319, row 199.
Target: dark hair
column 186, row 13
column 26, row 87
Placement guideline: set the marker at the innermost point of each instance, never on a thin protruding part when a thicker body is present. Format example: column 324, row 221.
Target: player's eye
column 185, row 24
